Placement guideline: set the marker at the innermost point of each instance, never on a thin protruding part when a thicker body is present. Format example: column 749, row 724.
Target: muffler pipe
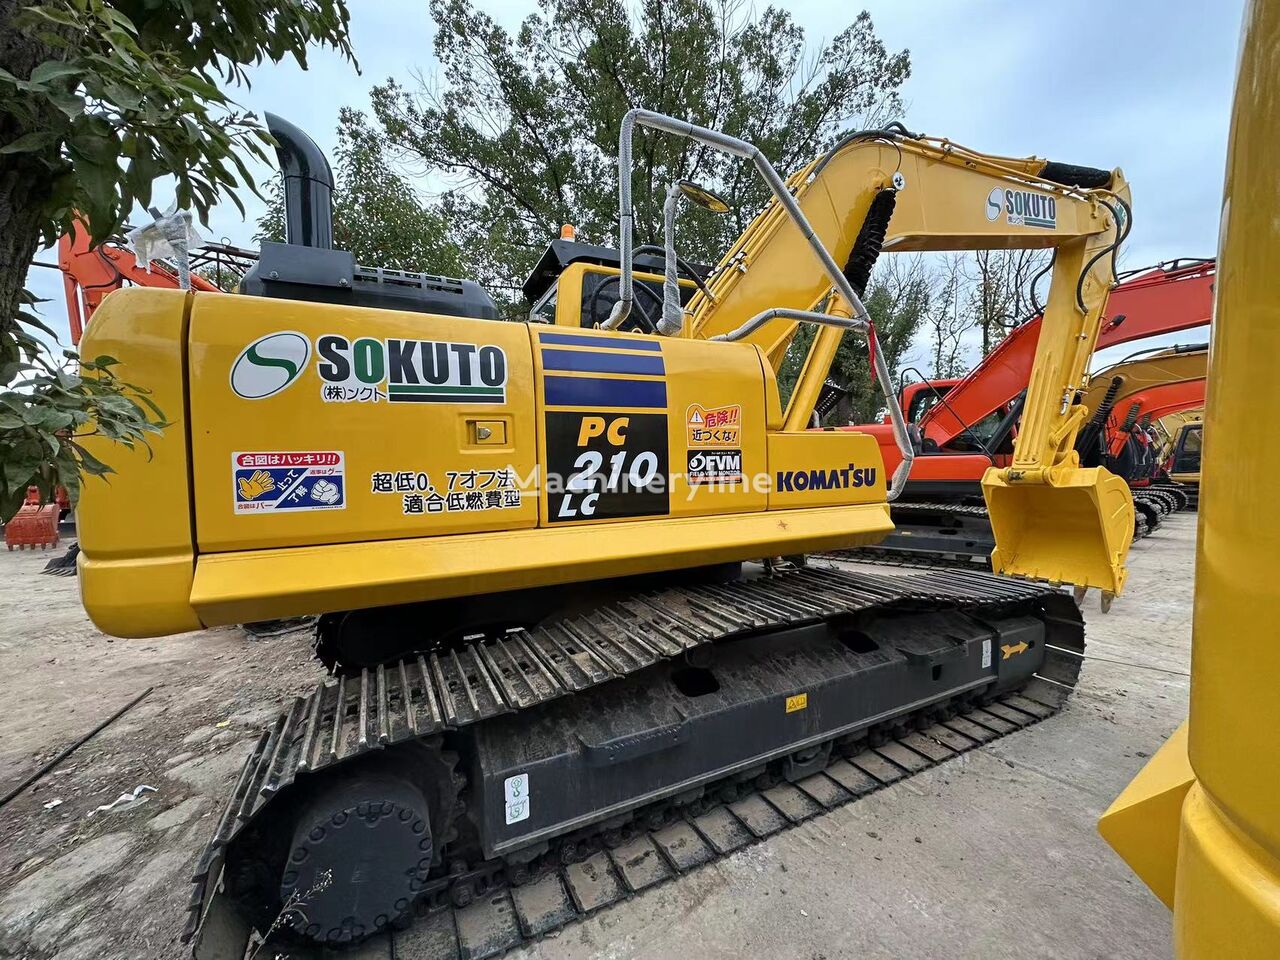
column 308, row 186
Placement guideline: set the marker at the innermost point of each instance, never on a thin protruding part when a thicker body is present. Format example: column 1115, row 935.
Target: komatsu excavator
column 1200, row 824
column 546, row 553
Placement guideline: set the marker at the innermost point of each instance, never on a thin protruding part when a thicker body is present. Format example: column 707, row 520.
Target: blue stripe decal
column 613, row 343
column 586, row 392
column 583, row 362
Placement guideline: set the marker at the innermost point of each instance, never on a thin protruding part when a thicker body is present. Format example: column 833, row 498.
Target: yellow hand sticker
column 256, row 485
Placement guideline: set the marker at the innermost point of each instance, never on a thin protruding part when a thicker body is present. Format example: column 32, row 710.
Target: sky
column 1145, row 85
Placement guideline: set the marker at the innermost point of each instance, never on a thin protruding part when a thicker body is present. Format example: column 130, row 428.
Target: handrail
column 741, row 148
column 847, row 323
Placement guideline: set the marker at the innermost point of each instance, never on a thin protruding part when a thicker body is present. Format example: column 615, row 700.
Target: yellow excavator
column 1200, row 824
column 1184, row 439
column 547, row 556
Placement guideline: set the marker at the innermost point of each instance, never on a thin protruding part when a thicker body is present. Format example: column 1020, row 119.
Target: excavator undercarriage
column 526, row 779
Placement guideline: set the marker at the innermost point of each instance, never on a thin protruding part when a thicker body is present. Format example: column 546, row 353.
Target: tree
column 377, row 215
column 98, row 98
column 1001, row 294
column 949, row 316
column 524, row 127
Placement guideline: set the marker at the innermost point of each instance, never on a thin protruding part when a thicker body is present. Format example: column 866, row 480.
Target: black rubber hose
column 1071, row 175
column 857, row 270
column 890, row 131
column 1036, row 306
column 1121, row 236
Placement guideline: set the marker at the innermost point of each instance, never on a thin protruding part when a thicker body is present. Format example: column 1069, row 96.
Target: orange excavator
column 964, row 426
column 1142, row 389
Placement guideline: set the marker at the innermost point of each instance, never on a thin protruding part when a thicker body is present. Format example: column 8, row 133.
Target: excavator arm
column 887, row 189
column 89, row 273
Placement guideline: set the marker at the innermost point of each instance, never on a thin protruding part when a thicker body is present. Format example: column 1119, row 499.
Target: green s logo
column 270, row 364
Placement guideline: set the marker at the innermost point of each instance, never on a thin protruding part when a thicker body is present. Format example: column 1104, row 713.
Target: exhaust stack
column 307, row 267
column 308, row 186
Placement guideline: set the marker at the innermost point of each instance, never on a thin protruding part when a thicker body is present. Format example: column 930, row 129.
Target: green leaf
column 31, row 142
column 52, row 70
column 69, row 103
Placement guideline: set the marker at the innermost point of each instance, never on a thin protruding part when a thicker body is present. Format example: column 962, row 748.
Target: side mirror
column 703, row 197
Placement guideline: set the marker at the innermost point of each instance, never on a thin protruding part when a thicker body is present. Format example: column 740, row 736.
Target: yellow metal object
column 1142, row 823
column 1074, row 528
column 798, row 702
column 137, row 553
column 316, row 479
column 1052, row 519
column 264, row 584
column 1226, row 900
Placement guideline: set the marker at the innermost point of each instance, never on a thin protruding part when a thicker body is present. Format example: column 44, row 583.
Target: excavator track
column 476, row 904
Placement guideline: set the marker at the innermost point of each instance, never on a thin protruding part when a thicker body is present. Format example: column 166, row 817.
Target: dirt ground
column 993, row 855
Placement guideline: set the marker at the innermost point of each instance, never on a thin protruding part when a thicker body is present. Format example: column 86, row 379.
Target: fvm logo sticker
column 715, row 466
column 277, row 482
column 410, row 371
column 269, row 364
column 1023, row 208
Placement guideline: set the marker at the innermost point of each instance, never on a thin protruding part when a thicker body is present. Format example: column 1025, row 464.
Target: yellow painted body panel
column 299, row 437
column 1226, row 900
column 1142, row 823
column 137, row 554
column 373, row 435
column 700, row 377
column 825, row 467
column 231, row 588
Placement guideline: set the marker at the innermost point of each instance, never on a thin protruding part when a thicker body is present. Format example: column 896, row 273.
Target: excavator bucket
column 1073, row 528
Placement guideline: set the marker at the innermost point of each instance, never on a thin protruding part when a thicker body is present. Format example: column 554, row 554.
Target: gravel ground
column 992, row 855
